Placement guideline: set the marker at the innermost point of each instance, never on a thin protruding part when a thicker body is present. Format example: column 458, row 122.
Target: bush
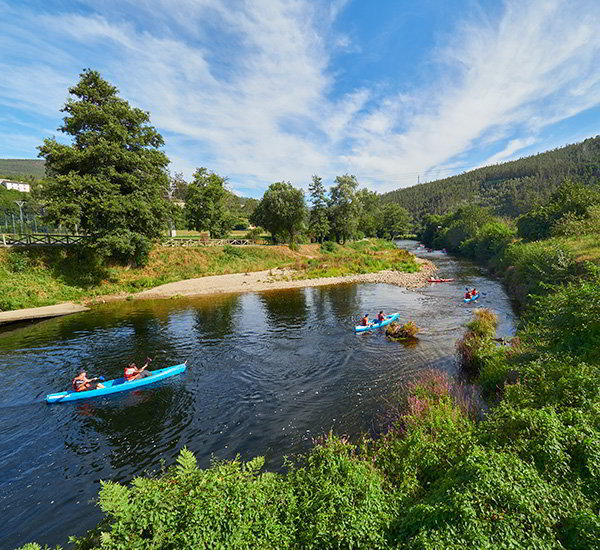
column 490, row 241
column 339, row 499
column 234, row 251
column 533, row 268
column 229, row 505
column 329, row 246
column 396, row 331
column 568, row 319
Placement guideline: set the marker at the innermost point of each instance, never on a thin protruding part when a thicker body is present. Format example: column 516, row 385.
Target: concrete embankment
column 40, row 312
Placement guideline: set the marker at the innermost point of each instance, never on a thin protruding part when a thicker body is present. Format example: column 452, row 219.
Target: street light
column 20, row 205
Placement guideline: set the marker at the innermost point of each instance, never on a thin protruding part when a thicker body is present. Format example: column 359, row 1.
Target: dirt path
column 279, row 279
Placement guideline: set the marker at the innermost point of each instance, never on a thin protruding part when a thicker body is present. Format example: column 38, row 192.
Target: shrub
column 532, row 268
column 396, row 331
column 487, row 499
column 255, row 233
column 568, row 319
column 339, row 499
column 229, row 505
column 234, row 251
column 329, row 246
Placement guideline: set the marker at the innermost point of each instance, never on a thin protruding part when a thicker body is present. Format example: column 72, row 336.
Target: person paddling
column 132, row 372
column 365, row 320
column 82, row 383
column 380, row 317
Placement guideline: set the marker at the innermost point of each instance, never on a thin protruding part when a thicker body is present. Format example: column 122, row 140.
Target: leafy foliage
column 344, row 208
column 508, row 189
column 205, row 205
column 111, row 181
column 318, row 224
column 282, row 210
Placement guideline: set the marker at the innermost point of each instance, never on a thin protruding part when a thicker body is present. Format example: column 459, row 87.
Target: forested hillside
column 21, row 168
column 511, row 188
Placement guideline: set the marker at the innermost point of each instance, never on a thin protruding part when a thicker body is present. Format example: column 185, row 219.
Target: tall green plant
column 318, row 224
column 205, row 204
column 111, row 182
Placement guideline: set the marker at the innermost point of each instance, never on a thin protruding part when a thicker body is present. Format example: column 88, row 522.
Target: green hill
column 22, row 168
column 509, row 189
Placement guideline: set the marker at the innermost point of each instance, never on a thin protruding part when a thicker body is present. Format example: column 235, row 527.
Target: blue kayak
column 476, row 297
column 375, row 324
column 116, row 385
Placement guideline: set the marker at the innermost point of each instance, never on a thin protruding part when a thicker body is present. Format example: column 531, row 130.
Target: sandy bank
column 40, row 312
column 275, row 279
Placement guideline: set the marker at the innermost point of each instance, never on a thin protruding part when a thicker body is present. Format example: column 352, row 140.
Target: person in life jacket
column 467, row 293
column 82, row 383
column 474, row 292
column 133, row 373
column 365, row 320
column 380, row 317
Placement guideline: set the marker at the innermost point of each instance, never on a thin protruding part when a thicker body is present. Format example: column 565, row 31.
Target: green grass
column 45, row 276
column 368, row 256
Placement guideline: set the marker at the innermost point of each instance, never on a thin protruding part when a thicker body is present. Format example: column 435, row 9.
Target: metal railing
column 206, row 242
column 8, row 240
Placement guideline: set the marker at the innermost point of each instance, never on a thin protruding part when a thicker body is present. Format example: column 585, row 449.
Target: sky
column 259, row 91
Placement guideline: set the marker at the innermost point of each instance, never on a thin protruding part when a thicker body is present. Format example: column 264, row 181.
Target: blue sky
column 269, row 90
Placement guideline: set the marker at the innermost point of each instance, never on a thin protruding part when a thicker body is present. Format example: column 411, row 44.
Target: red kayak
column 440, row 280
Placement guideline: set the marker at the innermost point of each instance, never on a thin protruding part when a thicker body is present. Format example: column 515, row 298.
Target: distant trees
column 571, row 205
column 111, row 181
column 282, row 211
column 509, row 189
column 205, row 207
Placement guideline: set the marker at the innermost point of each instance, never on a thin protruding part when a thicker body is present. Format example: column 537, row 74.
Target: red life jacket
column 364, row 322
column 380, row 317
column 79, row 384
column 130, row 373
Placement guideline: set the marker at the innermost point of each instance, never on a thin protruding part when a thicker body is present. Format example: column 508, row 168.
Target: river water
column 266, row 373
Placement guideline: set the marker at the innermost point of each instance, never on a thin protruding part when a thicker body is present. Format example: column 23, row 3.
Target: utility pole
column 418, row 179
column 20, row 205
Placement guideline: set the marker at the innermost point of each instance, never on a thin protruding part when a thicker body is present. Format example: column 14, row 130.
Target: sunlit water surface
column 267, row 372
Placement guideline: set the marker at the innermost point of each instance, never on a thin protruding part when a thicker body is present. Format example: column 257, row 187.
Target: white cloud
column 511, row 148
column 246, row 87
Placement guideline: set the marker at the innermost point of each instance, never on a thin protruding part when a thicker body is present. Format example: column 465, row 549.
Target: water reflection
column 266, row 372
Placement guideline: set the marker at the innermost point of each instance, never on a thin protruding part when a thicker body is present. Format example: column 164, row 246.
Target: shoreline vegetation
column 43, row 276
column 439, row 473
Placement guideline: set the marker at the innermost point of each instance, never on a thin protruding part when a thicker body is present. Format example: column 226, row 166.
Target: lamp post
column 20, row 205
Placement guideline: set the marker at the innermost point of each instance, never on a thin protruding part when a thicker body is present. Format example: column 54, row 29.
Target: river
column 266, row 373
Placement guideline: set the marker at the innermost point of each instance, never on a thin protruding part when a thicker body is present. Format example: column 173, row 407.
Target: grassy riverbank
column 45, row 276
column 526, row 476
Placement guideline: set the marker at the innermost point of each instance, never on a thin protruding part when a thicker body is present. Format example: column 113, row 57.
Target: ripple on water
column 266, row 373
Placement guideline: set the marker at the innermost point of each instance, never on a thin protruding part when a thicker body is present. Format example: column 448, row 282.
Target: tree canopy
column 281, row 211
column 205, row 207
column 344, row 207
column 112, row 180
column 318, row 222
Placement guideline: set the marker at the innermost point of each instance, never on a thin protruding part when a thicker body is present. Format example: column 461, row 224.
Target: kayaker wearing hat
column 82, row 383
column 365, row 320
column 133, row 373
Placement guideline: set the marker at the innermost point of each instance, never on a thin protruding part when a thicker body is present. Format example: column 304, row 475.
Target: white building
column 16, row 185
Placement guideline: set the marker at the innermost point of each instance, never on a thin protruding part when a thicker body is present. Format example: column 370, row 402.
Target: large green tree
column 344, row 207
column 371, row 218
column 205, row 206
column 281, row 211
column 396, row 221
column 318, row 225
column 112, row 180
